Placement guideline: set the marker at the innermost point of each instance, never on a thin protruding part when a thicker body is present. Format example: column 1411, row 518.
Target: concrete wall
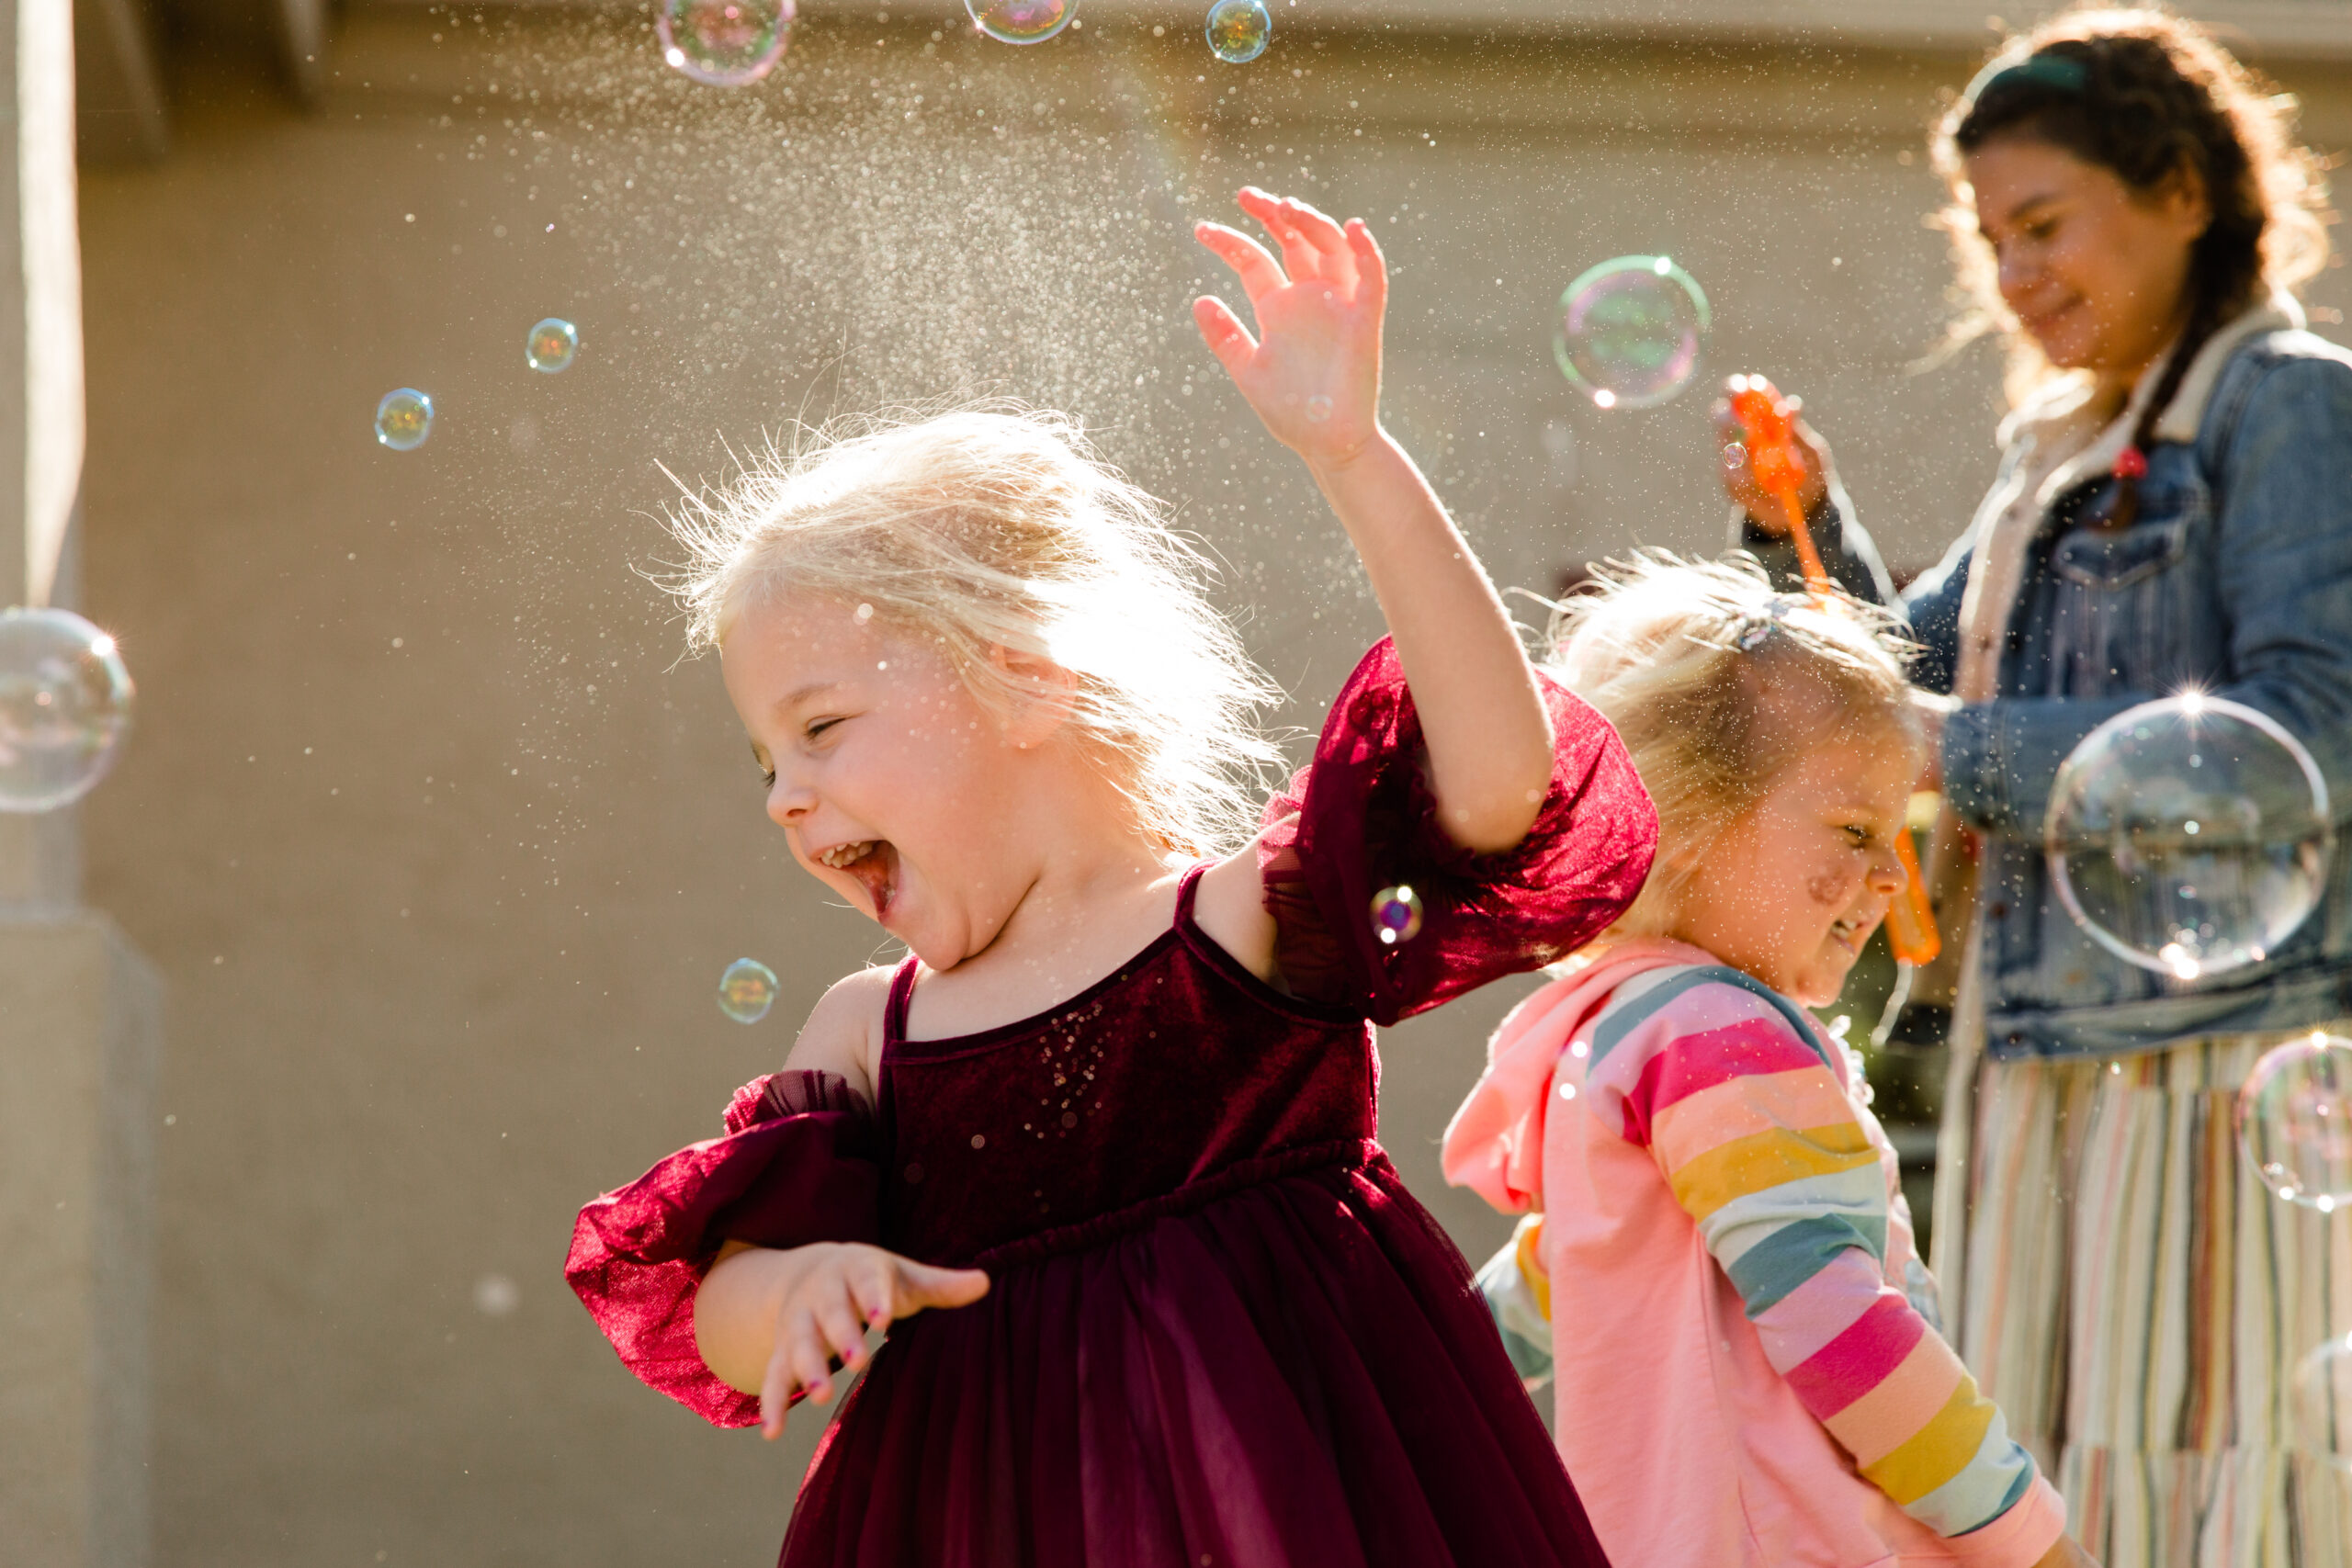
column 439, row 852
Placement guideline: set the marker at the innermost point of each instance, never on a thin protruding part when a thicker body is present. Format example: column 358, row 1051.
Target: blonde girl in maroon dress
column 1099, row 1154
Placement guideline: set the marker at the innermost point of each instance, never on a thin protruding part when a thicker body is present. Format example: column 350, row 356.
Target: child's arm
column 1313, row 376
column 1756, row 1136
column 771, row 1321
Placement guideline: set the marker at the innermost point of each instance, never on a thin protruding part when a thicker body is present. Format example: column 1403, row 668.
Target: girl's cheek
column 1832, row 889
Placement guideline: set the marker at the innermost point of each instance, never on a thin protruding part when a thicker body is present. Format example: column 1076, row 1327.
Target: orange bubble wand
column 1911, row 919
column 1768, row 426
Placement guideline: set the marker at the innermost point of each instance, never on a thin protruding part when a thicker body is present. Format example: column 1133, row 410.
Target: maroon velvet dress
column 1219, row 1331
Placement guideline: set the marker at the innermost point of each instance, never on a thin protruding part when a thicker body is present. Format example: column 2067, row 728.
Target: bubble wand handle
column 1766, row 424
column 1911, row 919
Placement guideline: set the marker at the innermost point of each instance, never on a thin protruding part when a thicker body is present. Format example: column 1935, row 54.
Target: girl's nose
column 1886, row 874
column 790, row 801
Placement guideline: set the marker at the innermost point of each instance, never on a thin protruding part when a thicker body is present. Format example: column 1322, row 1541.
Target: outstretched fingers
column 1335, row 257
column 1258, row 272
column 1300, row 257
column 1224, row 334
column 1372, row 267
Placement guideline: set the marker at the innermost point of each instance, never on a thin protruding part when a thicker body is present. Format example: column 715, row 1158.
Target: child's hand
column 837, row 1292
column 1313, row 372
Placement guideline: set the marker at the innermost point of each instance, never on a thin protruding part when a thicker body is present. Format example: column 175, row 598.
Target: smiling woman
column 2130, row 206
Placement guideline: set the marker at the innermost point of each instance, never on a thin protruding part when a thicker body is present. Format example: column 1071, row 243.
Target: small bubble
column 2294, row 1121
column 65, row 708
column 550, row 346
column 1238, row 31
column 1395, row 915
column 404, row 419
column 747, row 990
column 1318, row 409
column 1021, row 21
column 865, row 614
column 723, row 43
column 1629, row 331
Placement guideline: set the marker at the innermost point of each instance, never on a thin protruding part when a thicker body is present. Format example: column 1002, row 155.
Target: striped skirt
column 2136, row 1302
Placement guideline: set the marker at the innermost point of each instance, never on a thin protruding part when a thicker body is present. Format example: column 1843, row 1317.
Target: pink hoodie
column 1687, row 1443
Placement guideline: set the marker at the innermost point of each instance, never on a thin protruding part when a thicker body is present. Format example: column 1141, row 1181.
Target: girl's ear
column 1046, row 693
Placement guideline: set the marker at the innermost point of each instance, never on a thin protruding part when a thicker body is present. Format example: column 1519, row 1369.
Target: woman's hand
column 1763, row 508
column 1312, row 371
column 805, row 1308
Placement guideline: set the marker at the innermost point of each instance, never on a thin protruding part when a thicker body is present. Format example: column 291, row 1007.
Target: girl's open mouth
column 873, row 862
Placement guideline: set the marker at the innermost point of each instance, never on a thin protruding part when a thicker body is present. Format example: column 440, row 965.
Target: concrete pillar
column 78, row 1006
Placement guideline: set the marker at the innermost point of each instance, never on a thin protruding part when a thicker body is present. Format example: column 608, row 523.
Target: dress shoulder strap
column 902, row 994
column 1188, row 889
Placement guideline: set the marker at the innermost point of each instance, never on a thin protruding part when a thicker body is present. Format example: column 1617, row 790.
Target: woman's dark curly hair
column 2149, row 97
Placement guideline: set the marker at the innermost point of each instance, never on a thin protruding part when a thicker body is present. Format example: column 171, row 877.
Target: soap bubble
column 1318, row 409
column 723, row 43
column 1239, row 30
column 404, row 419
column 1021, row 21
column 747, row 990
column 64, row 707
column 496, row 1297
column 2324, row 1403
column 1629, row 331
column 1395, row 915
column 2295, row 1121
column 2188, row 836
column 551, row 345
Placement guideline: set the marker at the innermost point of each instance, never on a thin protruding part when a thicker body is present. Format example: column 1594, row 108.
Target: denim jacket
column 2235, row 577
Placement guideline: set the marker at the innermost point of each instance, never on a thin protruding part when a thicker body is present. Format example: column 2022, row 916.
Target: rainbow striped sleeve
column 1730, row 1089
column 1520, row 1295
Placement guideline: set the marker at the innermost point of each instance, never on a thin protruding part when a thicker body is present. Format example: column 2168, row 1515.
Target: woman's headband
column 2053, row 71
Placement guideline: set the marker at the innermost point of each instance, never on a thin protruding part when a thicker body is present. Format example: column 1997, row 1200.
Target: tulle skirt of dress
column 1295, row 1372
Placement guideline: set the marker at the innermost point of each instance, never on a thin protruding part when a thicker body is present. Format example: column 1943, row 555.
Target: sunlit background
column 436, row 847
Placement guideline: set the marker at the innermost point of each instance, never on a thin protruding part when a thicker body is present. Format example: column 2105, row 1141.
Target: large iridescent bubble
column 723, row 43
column 2294, row 1121
column 1021, row 21
column 1630, row 330
column 65, row 708
column 2189, row 836
column 1238, row 31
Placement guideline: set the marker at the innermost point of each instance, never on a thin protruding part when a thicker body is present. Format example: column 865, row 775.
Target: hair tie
column 2057, row 71
column 1756, row 626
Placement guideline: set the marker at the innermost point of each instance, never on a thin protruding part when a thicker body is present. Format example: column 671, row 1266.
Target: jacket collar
column 2057, row 420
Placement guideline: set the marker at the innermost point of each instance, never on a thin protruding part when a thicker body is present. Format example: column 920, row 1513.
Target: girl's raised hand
column 1313, row 370
column 838, row 1291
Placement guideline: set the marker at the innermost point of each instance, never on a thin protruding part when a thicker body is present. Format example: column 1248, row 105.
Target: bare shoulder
column 845, row 1031
column 1230, row 908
